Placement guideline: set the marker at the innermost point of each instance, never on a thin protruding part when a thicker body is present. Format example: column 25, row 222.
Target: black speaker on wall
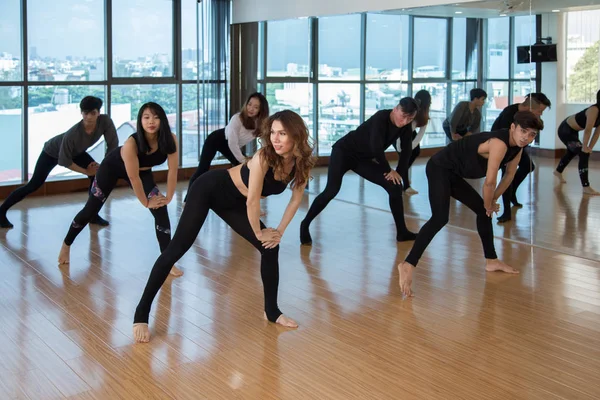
column 536, row 53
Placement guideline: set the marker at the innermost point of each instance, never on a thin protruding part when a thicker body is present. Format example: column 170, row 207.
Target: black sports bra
column 270, row 184
column 149, row 160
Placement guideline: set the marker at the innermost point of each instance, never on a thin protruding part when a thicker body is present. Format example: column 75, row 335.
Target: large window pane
column 142, row 38
column 126, row 101
column 498, row 32
column 339, row 47
column 383, row 96
column 434, row 135
column 297, row 97
column 520, row 90
column 387, row 47
column 10, row 41
column 461, row 91
column 464, row 48
column 288, row 47
column 524, row 36
column 430, row 59
column 189, row 43
column 496, row 102
column 52, row 111
column 66, row 40
column 339, row 113
column 582, row 66
column 10, row 121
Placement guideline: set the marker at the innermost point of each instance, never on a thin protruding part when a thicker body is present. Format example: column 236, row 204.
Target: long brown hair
column 423, row 99
column 296, row 130
column 263, row 113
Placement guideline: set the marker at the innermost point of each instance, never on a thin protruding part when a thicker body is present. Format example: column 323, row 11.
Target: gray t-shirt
column 75, row 141
column 462, row 120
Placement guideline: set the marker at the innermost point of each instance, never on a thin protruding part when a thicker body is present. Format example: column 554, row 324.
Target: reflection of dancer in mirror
column 69, row 150
column 465, row 119
column 242, row 129
column 472, row 157
column 568, row 133
column 363, row 151
column 423, row 99
column 234, row 195
column 151, row 145
column 536, row 103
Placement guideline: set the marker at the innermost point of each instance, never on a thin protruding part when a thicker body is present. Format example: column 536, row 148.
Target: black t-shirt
column 506, row 118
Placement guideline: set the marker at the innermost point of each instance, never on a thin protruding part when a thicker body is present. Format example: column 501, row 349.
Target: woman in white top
column 421, row 120
column 241, row 130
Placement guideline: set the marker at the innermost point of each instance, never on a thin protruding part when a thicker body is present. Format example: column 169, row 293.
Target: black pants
column 216, row 141
column 413, row 156
column 526, row 166
column 215, row 191
column 570, row 137
column 43, row 167
column 444, row 184
column 339, row 164
column 106, row 180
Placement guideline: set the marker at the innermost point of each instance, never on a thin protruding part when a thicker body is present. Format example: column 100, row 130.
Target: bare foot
column 141, row 333
column 410, row 191
column 589, row 191
column 65, row 254
column 284, row 321
column 497, row 265
column 405, row 269
column 176, row 271
column 559, row 176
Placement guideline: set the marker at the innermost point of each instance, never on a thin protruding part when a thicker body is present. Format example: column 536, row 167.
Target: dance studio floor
column 467, row 334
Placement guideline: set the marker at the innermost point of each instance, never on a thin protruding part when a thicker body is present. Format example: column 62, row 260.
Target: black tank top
column 149, row 160
column 462, row 157
column 270, row 184
column 581, row 118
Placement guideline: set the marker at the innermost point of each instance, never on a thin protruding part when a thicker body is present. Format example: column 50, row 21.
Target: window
column 54, row 110
column 434, row 135
column 10, row 41
column 288, row 48
column 498, row 34
column 429, row 55
column 142, row 37
column 65, row 40
column 461, row 91
column 10, row 120
column 525, row 35
column 497, row 100
column 339, row 113
column 464, row 48
column 387, row 47
column 382, row 96
column 339, row 47
column 294, row 96
column 582, row 66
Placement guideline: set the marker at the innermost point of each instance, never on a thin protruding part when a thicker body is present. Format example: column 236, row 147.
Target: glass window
column 126, row 101
column 524, row 35
column 387, row 47
column 498, row 31
column 464, row 48
column 189, row 42
column 54, row 110
column 10, row 41
column 339, row 113
column 66, row 40
column 582, row 67
column 430, row 47
column 11, row 105
column 434, row 135
column 520, row 89
column 339, row 47
column 142, row 37
column 288, row 48
column 496, row 102
column 461, row 91
column 383, row 96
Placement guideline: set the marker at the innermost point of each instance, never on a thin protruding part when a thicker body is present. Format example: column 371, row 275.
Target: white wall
column 269, row 10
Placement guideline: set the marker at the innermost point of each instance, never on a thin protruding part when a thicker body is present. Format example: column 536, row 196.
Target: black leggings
column 216, row 141
column 215, row 191
column 413, row 156
column 43, row 167
column 339, row 163
column 570, row 137
column 106, row 180
column 526, row 166
column 444, row 184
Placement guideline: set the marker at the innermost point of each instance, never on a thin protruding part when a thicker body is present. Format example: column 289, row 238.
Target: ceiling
column 495, row 8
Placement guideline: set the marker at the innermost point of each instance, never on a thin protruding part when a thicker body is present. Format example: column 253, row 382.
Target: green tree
column 583, row 82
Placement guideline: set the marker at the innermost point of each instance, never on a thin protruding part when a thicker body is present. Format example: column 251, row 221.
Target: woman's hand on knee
column 157, row 201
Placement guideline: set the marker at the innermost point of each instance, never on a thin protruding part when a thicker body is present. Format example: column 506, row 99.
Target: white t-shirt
column 238, row 136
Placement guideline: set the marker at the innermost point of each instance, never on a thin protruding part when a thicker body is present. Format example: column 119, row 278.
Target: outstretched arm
column 291, row 208
column 258, row 169
column 132, row 166
column 591, row 114
column 496, row 151
column 511, row 169
column 173, row 163
column 233, row 137
column 594, row 138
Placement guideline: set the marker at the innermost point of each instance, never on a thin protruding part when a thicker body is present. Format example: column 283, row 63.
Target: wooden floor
column 467, row 334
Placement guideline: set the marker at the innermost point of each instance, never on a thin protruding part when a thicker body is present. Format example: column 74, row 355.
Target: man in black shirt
column 536, row 103
column 363, row 151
